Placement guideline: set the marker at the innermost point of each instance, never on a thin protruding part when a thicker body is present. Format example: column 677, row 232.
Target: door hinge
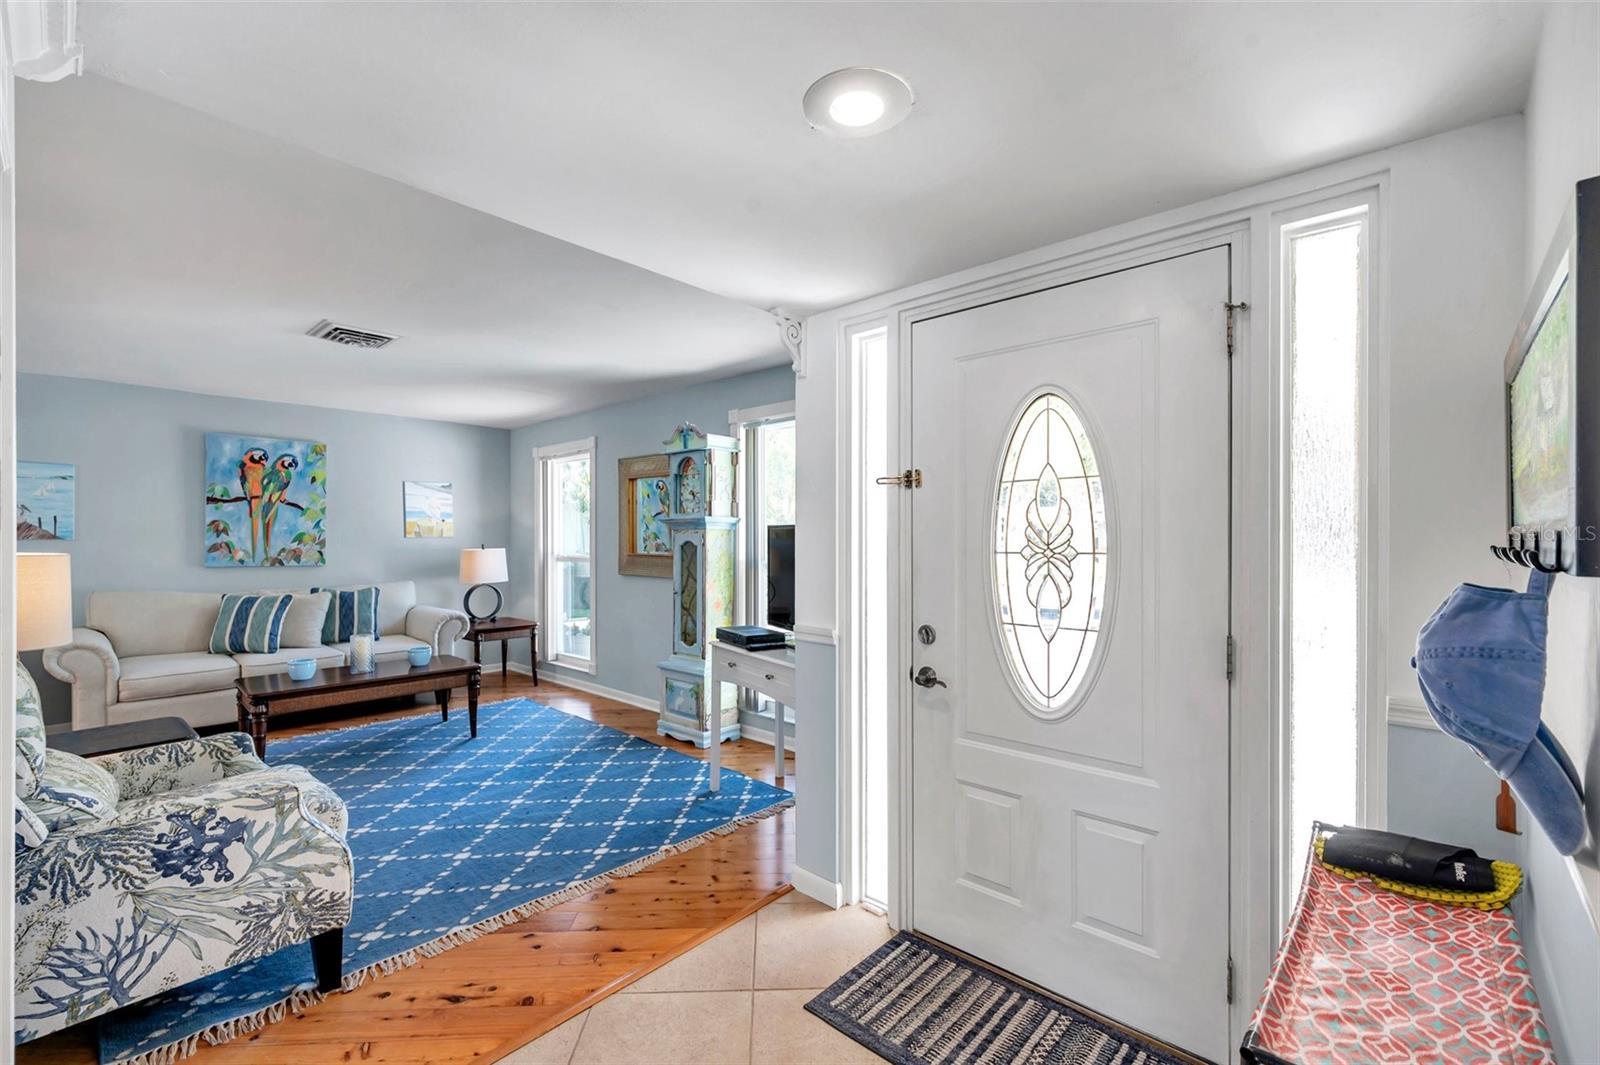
column 905, row 479
column 1231, row 308
column 1233, row 655
column 1230, row 979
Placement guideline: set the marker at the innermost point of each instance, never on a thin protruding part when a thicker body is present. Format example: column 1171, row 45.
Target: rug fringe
column 225, row 1031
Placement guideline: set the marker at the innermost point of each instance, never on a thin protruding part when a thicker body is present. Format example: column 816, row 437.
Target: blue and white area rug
column 453, row 838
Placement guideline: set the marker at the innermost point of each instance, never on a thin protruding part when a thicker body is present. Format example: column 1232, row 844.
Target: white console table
column 769, row 672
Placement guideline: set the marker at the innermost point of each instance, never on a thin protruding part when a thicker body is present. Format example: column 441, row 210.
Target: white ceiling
column 157, row 243
column 670, row 135
column 159, row 246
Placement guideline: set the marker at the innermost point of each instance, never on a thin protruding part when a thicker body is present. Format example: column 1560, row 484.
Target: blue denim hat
column 1480, row 661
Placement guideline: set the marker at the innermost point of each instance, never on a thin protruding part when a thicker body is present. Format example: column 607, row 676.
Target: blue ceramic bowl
column 420, row 656
column 302, row 668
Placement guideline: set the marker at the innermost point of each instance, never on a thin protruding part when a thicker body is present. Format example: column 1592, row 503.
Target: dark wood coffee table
column 264, row 697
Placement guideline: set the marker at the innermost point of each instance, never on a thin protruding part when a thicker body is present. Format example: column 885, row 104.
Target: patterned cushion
column 30, row 831
column 30, row 734
column 249, row 624
column 350, row 612
column 72, row 790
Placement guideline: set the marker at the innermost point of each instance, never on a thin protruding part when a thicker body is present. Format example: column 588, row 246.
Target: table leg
column 533, row 653
column 442, row 697
column 777, row 741
column 253, row 720
column 714, row 754
column 474, row 680
column 504, row 658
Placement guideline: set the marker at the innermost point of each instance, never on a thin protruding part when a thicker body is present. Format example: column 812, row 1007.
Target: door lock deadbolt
column 926, row 634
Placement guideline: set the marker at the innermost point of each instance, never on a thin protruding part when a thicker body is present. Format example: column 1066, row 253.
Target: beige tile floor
column 734, row 1000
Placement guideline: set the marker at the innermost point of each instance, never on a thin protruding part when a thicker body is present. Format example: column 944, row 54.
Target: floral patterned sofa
column 140, row 871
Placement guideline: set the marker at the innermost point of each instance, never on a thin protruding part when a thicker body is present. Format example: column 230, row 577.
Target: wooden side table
column 505, row 630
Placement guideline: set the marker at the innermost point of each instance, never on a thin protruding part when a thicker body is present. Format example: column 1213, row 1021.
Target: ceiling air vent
column 343, row 334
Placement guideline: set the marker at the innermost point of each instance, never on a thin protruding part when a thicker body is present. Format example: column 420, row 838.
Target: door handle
column 927, row 678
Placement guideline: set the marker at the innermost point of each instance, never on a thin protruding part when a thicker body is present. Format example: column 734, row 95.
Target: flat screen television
column 780, row 576
column 1553, row 399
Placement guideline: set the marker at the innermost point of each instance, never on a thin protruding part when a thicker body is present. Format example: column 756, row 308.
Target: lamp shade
column 44, row 600
column 483, row 565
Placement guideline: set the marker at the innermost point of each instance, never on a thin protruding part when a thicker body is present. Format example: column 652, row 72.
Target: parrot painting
column 274, row 486
column 252, row 471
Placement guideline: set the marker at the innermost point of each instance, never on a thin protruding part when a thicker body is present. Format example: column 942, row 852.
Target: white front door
column 1070, row 556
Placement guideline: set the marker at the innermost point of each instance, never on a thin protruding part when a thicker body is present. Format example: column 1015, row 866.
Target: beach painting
column 46, row 500
column 266, row 501
column 430, row 510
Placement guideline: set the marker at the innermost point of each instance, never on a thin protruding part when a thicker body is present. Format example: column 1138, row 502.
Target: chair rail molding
column 1410, row 713
column 43, row 39
column 793, row 332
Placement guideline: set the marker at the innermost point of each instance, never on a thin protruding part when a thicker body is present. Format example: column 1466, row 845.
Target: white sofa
column 147, row 654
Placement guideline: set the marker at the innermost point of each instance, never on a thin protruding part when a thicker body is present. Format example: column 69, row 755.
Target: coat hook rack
column 1531, row 557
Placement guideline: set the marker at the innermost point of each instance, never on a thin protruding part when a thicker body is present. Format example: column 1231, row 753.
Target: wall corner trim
column 1410, row 713
column 816, row 634
column 828, row 892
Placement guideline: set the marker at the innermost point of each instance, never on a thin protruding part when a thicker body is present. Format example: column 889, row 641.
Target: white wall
column 1560, row 912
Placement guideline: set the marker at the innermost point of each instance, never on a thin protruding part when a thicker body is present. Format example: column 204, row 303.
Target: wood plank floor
column 486, row 998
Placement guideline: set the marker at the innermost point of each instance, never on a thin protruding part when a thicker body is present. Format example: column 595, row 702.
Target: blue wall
column 140, row 454
column 631, row 613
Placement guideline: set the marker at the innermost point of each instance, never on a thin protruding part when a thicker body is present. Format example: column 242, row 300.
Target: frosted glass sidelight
column 1050, row 554
column 1324, row 315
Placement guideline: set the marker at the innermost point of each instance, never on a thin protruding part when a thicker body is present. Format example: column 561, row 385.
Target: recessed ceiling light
column 857, row 101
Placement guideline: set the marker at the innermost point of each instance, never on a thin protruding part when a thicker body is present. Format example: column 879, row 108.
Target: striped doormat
column 915, row 1003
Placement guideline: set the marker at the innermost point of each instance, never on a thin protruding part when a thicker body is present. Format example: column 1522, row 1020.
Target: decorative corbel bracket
column 43, row 37
column 38, row 41
column 792, row 330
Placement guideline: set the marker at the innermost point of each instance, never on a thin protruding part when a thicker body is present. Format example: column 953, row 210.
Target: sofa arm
column 173, row 889
column 89, row 664
column 440, row 627
column 185, row 764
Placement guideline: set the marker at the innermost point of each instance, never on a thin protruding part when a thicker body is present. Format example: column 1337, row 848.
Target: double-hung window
column 566, row 538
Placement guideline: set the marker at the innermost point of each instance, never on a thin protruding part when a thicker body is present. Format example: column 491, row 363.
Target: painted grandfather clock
column 701, row 527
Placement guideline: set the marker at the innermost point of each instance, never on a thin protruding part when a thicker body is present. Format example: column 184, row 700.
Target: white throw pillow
column 302, row 626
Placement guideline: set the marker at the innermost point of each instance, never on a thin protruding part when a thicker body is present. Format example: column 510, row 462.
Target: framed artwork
column 266, row 501
column 430, row 509
column 643, row 499
column 47, row 497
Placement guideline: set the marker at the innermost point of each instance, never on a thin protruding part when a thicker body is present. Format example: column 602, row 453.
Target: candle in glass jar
column 361, row 654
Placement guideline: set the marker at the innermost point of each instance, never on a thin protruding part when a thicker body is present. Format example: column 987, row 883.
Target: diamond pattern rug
column 452, row 838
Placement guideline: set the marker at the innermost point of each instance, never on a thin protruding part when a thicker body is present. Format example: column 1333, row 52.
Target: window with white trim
column 566, row 538
column 1324, row 310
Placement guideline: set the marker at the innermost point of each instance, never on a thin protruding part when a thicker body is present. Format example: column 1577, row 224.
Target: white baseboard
column 812, row 886
column 748, row 731
column 1410, row 713
column 567, row 680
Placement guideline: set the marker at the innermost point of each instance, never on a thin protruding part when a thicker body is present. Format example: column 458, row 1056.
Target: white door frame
column 1243, row 222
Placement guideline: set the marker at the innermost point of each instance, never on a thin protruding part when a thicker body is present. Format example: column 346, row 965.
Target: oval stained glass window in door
column 1050, row 553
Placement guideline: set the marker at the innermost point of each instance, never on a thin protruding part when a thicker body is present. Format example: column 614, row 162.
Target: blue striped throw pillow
column 249, row 624
column 350, row 612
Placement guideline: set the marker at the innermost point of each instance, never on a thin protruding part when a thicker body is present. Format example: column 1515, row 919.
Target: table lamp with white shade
column 44, row 600
column 44, row 607
column 483, row 567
